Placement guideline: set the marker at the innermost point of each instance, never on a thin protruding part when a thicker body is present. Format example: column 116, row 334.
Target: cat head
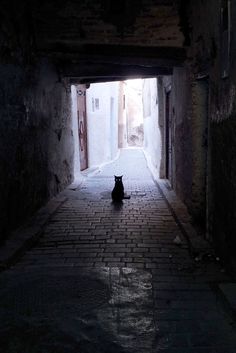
column 118, row 178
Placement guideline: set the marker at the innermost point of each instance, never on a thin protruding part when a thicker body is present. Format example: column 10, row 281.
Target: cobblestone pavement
column 110, row 278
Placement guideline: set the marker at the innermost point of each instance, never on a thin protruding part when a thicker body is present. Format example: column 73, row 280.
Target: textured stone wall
column 199, row 149
column 60, row 24
column 206, row 51
column 189, row 123
column 36, row 153
column 182, row 135
column 35, row 140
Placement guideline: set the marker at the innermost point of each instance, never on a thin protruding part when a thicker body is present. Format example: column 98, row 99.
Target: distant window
column 93, row 106
column 123, row 101
column 225, row 37
column 96, row 103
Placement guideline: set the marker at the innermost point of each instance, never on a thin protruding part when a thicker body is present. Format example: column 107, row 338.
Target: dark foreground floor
column 106, row 279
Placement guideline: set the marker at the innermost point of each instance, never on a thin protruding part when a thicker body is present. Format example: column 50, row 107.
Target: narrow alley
column 108, row 278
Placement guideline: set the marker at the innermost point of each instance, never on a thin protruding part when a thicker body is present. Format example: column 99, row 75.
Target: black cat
column 118, row 192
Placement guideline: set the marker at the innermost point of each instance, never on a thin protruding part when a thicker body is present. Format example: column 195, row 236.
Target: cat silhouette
column 118, row 191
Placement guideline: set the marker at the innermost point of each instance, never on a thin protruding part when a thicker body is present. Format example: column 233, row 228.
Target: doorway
column 82, row 126
column 168, row 145
column 112, row 115
column 200, row 174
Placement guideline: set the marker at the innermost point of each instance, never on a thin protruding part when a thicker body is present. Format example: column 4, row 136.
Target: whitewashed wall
column 152, row 138
column 102, row 122
column 74, row 114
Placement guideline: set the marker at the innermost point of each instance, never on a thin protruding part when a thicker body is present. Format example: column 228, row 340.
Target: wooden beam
column 93, row 71
column 120, row 54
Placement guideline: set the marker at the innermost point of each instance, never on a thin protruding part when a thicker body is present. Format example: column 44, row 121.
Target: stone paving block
column 87, row 232
column 135, row 264
column 85, row 254
column 120, row 254
column 126, row 259
column 140, row 250
column 118, row 249
column 83, row 264
column 112, row 259
column 115, row 264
